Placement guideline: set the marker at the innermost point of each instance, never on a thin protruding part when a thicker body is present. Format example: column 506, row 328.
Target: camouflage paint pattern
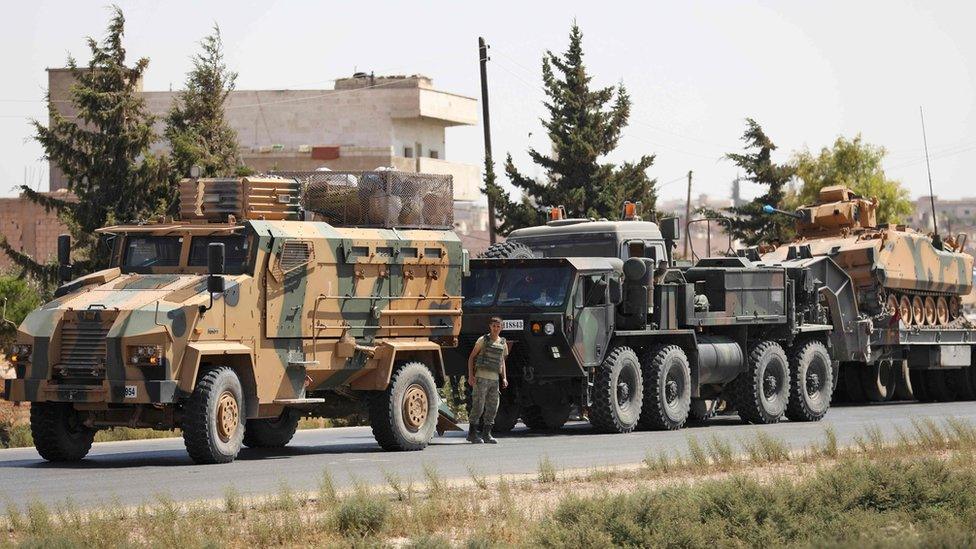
column 315, row 308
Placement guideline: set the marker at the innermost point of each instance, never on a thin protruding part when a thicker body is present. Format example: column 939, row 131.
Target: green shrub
column 362, row 515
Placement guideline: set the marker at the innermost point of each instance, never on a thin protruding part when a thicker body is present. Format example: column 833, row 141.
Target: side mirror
column 215, row 264
column 64, row 257
column 616, row 291
column 670, row 228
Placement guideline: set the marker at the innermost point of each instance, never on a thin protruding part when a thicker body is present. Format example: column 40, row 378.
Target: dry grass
column 915, row 491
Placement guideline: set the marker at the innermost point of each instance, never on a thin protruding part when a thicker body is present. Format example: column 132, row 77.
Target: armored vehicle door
column 291, row 288
column 593, row 318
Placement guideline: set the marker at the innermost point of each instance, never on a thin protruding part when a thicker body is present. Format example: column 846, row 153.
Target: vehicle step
column 298, row 401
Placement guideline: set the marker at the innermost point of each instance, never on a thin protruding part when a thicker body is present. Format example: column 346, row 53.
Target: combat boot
column 473, row 434
column 486, row 434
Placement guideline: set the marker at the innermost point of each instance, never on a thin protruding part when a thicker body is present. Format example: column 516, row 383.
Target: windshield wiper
column 516, row 300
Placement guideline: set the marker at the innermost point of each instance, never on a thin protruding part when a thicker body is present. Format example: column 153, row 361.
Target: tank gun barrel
column 767, row 209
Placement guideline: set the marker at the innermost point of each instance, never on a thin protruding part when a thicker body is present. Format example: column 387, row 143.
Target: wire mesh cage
column 385, row 198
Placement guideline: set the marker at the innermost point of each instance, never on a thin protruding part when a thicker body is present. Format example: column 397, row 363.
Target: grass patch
column 547, row 471
column 765, row 448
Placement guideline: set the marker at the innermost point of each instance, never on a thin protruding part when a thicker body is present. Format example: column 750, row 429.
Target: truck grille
column 83, row 351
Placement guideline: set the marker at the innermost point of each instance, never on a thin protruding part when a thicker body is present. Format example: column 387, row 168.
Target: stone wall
column 29, row 229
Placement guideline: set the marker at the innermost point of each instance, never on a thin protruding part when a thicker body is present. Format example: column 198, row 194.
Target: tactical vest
column 492, row 354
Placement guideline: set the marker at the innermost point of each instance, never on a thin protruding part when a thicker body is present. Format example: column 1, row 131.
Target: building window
column 408, row 152
column 433, row 154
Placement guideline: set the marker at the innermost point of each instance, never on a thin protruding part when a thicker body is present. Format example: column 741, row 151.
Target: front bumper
column 113, row 392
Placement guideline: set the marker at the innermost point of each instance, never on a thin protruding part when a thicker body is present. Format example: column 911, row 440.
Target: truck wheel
column 273, row 432
column 58, row 432
column 919, row 390
column 702, row 410
column 617, row 392
column 965, row 380
column 404, row 416
column 810, row 382
column 878, row 381
column 903, row 382
column 939, row 387
column 508, row 411
column 853, row 382
column 508, row 250
column 213, row 421
column 549, row 418
column 667, row 389
column 763, row 390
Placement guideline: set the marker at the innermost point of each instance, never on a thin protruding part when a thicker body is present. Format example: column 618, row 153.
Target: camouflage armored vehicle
column 636, row 342
column 239, row 319
column 908, row 283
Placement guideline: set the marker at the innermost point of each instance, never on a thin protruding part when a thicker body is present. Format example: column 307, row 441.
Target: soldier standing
column 486, row 365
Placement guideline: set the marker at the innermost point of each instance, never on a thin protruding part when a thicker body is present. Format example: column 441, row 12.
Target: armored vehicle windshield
column 539, row 286
column 180, row 252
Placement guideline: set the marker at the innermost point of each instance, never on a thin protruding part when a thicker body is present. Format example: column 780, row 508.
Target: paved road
column 136, row 471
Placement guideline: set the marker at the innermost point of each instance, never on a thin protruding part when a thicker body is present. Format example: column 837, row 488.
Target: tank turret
column 898, row 273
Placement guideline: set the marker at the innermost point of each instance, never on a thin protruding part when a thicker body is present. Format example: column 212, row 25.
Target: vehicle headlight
column 21, row 352
column 549, row 328
column 145, row 355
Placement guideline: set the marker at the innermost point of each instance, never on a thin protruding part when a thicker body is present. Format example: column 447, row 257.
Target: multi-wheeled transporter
column 235, row 321
column 634, row 341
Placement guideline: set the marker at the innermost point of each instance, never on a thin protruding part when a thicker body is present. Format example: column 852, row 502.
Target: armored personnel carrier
column 909, row 284
column 240, row 318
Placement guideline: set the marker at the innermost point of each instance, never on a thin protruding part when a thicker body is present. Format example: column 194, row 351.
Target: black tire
column 508, row 250
column 939, row 386
column 853, row 382
column 548, row 418
column 811, row 383
column 878, row 381
column 667, row 389
column 762, row 392
column 508, row 411
column 617, row 392
column 273, row 432
column 903, row 382
column 58, row 432
column 965, row 380
column 919, row 385
column 396, row 428
column 702, row 410
column 210, row 432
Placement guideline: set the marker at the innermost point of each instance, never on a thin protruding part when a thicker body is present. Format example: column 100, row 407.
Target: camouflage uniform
column 484, row 396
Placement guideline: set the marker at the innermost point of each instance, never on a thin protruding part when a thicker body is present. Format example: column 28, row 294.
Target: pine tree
column 584, row 126
column 103, row 152
column 195, row 126
column 747, row 222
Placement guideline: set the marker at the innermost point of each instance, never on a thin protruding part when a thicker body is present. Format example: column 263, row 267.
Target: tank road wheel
column 941, row 311
column 918, row 311
column 878, row 381
column 667, row 388
column 955, row 304
column 213, row 420
column 905, row 310
column 811, row 382
column 930, row 313
column 763, row 390
column 939, row 386
column 508, row 250
column 273, row 432
column 617, row 392
column 58, row 432
column 891, row 304
column 404, row 416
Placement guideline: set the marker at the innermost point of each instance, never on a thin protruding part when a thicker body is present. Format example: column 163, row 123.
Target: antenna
column 936, row 241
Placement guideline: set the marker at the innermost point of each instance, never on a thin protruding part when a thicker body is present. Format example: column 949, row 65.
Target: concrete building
column 29, row 229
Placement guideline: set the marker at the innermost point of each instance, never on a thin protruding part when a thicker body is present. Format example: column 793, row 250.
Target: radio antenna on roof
column 936, row 240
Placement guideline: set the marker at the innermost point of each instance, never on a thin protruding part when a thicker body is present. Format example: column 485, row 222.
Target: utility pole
column 486, row 122
column 688, row 216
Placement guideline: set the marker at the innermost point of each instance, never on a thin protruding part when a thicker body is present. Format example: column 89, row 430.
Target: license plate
column 512, row 325
column 131, row 391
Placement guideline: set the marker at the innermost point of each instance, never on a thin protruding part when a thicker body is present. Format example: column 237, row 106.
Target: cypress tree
column 584, row 125
column 104, row 152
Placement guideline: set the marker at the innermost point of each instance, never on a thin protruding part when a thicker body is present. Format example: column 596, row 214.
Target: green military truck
column 243, row 316
column 636, row 342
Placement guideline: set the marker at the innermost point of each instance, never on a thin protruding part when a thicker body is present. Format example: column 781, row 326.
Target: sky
column 808, row 72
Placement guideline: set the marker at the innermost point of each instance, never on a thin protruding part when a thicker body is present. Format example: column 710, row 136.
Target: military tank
column 898, row 273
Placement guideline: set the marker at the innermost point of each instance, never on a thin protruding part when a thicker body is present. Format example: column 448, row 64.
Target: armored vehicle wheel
column 919, row 390
column 905, row 310
column 918, row 311
column 58, row 432
column 667, row 388
column 811, row 385
column 930, row 313
column 546, row 418
column 404, row 416
column 878, row 380
column 617, row 392
column 508, row 250
column 939, row 386
column 763, row 390
column 891, row 304
column 273, row 432
column 965, row 380
column 955, row 303
column 213, row 420
column 941, row 311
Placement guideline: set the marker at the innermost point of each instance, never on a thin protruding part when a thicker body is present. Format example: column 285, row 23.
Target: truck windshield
column 538, row 286
column 152, row 251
